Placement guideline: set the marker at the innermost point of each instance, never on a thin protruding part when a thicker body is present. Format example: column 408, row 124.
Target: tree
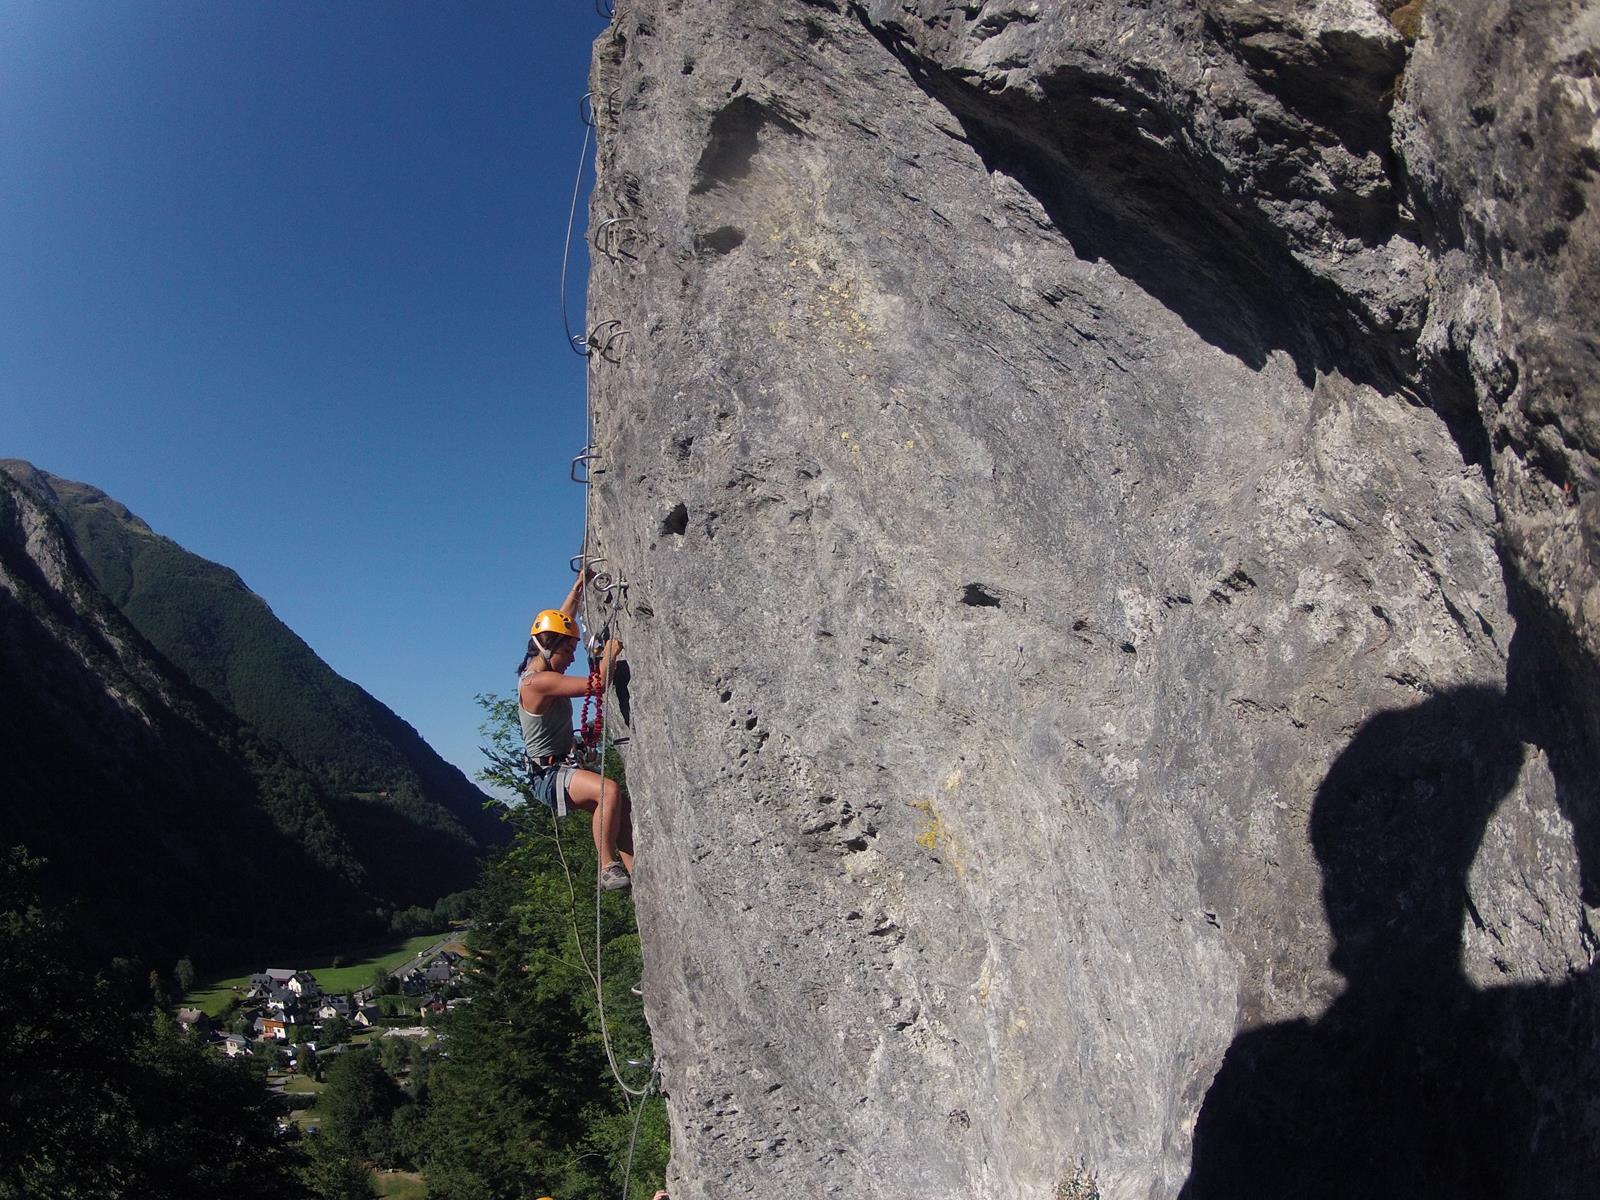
column 408, row 1135
column 332, row 1174
column 356, row 1105
column 183, row 976
column 392, row 1054
column 267, row 1055
column 334, row 1032
column 102, row 1102
column 525, row 1054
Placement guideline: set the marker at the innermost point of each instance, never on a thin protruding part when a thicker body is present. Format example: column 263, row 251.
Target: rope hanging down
column 591, row 345
column 602, row 339
column 596, row 971
column 578, row 342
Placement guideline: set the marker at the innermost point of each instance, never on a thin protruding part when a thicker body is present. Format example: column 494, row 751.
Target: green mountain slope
column 415, row 822
column 176, row 827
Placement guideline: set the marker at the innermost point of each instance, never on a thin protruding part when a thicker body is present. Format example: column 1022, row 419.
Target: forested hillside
column 176, row 827
column 416, row 823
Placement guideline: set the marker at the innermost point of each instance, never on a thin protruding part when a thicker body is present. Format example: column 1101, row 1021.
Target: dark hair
column 533, row 648
column 538, row 646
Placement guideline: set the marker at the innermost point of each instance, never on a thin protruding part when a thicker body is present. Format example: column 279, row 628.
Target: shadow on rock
column 1415, row 1081
column 620, row 679
column 1100, row 156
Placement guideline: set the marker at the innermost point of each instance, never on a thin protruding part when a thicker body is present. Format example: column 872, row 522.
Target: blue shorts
column 550, row 786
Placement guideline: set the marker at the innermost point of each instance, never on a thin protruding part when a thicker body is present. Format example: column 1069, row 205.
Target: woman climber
column 544, row 702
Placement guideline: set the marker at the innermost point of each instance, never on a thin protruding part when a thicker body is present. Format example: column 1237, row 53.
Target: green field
column 399, row 1185
column 356, row 970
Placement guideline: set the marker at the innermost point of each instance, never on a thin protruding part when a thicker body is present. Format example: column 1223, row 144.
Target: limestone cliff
column 1107, row 496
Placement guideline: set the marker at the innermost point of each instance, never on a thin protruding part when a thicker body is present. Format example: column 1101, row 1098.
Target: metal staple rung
column 586, row 110
column 605, row 8
column 584, row 457
column 612, row 236
column 614, row 332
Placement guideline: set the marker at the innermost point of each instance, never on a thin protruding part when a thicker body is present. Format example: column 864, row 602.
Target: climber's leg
column 605, row 802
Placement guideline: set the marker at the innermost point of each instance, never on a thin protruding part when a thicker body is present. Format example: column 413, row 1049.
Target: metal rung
column 612, row 237
column 586, row 112
column 584, row 457
column 603, row 345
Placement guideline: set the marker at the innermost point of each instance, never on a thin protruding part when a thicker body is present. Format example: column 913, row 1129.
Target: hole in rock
column 676, row 522
column 977, row 596
column 722, row 240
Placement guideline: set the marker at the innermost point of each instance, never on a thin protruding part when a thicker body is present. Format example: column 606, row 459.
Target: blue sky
column 283, row 278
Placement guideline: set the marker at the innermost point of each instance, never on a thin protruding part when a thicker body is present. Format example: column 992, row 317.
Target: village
column 283, row 1018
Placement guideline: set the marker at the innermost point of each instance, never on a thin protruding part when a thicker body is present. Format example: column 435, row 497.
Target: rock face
column 1106, row 495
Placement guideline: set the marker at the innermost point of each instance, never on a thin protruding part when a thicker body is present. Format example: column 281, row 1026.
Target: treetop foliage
column 526, row 1099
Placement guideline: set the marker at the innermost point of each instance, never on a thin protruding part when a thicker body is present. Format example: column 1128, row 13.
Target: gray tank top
column 547, row 733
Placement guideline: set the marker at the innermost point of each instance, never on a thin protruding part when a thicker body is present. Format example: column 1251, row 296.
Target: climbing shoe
column 615, row 878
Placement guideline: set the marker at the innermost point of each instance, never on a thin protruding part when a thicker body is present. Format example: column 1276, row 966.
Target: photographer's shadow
column 1414, row 1082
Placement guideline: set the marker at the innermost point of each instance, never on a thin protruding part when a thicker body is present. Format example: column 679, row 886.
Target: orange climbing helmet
column 553, row 620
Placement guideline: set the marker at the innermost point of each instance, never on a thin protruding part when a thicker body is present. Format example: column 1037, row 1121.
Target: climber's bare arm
column 570, row 604
column 537, row 686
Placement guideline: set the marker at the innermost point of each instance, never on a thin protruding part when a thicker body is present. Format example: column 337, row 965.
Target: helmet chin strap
column 546, row 656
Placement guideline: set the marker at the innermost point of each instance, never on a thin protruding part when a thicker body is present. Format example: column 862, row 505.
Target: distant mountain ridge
column 414, row 826
column 170, row 823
